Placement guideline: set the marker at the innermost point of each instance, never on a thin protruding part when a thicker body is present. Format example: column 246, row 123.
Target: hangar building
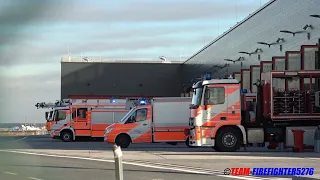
column 277, row 27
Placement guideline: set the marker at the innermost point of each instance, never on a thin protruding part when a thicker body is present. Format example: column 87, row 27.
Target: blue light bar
column 207, row 76
column 142, row 102
column 244, row 91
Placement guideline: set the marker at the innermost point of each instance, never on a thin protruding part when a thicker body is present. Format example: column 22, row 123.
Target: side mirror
column 317, row 100
column 56, row 116
column 46, row 114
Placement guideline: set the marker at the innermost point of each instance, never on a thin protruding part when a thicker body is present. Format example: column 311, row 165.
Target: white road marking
column 219, row 172
column 34, row 178
column 11, row 173
column 140, row 164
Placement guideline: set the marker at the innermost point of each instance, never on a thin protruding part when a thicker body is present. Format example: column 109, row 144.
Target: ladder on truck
column 129, row 102
column 52, row 105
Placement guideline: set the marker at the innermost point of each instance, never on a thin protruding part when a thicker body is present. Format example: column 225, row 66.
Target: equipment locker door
column 81, row 123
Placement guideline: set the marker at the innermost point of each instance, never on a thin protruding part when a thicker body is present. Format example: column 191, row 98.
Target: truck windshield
column 127, row 115
column 196, row 98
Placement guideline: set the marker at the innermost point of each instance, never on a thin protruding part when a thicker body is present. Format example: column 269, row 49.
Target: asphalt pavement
column 178, row 159
column 46, row 142
column 23, row 166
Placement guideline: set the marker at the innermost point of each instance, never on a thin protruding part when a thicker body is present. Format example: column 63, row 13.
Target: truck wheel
column 66, row 136
column 228, row 140
column 187, row 143
column 123, row 141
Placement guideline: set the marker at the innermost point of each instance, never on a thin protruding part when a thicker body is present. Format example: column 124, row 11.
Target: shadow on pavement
column 46, row 142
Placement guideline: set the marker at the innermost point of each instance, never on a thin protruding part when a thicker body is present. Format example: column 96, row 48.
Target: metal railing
column 98, row 59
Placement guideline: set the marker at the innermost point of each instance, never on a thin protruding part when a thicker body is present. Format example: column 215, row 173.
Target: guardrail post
column 118, row 162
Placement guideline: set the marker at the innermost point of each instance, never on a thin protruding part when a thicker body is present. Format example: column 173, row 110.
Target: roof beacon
column 143, row 102
column 207, row 76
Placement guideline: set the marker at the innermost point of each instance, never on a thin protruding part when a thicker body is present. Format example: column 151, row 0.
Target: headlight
column 108, row 130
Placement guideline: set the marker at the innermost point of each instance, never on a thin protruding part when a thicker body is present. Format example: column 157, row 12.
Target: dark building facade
column 85, row 79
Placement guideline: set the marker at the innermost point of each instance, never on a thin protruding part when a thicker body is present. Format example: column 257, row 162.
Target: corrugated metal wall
column 265, row 26
column 120, row 79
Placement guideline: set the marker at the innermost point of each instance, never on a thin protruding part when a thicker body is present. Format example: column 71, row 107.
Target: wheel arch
column 241, row 130
column 70, row 129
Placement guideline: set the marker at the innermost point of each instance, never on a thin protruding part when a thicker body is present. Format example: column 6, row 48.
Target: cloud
column 35, row 34
column 29, row 80
column 126, row 11
column 111, row 43
column 98, row 28
column 21, row 93
column 26, row 70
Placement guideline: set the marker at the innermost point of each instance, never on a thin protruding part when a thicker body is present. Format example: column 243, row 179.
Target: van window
column 141, row 114
column 215, row 95
column 138, row 115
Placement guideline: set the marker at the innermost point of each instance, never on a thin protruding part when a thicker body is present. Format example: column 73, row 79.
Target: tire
column 66, row 136
column 123, row 140
column 187, row 143
column 228, row 140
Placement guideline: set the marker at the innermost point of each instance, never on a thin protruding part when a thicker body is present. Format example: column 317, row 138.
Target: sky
column 35, row 34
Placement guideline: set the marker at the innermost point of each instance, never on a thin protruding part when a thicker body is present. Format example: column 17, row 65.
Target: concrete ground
column 203, row 160
column 23, row 166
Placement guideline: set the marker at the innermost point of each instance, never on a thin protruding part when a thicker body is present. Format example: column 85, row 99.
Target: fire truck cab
column 50, row 115
column 216, row 115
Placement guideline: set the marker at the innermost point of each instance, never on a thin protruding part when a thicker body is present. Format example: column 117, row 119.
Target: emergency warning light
column 207, row 76
column 244, row 91
column 142, row 102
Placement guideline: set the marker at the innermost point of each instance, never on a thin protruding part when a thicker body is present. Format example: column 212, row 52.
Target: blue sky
column 35, row 34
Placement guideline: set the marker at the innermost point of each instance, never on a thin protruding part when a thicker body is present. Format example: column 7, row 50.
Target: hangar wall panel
column 120, row 79
column 262, row 26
